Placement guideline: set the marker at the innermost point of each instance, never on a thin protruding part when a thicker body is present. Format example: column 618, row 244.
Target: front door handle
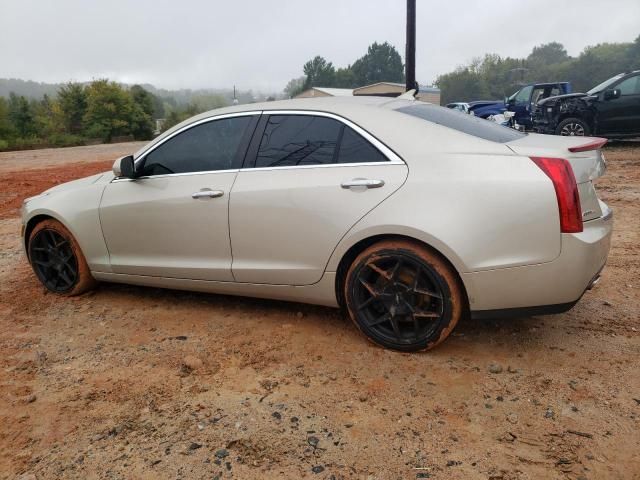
column 207, row 194
column 362, row 182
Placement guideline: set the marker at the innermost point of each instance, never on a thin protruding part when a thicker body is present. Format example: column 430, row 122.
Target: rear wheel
column 573, row 127
column 57, row 260
column 403, row 296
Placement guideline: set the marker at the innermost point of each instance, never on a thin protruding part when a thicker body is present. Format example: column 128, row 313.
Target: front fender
column 78, row 210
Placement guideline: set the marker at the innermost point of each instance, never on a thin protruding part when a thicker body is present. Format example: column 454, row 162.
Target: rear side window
column 356, row 149
column 462, row 122
column 290, row 140
column 205, row 147
column 297, row 140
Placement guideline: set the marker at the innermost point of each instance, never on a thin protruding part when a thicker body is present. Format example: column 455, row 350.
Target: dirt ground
column 129, row 382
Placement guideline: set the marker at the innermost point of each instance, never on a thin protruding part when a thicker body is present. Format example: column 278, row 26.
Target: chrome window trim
column 393, row 158
column 191, row 125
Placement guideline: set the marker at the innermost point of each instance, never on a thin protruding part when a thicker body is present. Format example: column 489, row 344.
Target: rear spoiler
column 595, row 144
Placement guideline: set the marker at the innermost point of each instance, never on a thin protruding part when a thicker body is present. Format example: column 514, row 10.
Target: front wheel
column 57, row 260
column 403, row 296
column 573, row 127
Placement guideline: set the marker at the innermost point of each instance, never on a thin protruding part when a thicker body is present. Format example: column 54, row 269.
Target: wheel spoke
column 42, row 263
column 379, row 271
column 396, row 327
column 382, row 319
column 374, row 293
column 66, row 278
column 366, row 303
column 425, row 314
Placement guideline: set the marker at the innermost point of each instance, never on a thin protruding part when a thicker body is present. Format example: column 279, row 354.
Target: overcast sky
column 262, row 44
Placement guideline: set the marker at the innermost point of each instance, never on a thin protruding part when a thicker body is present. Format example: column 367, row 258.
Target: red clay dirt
column 130, row 382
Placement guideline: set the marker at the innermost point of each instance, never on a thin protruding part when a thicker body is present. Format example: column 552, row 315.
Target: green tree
column 548, row 53
column 109, row 110
column 294, row 87
column 7, row 132
column 319, row 73
column 72, row 99
column 381, row 63
column 345, row 78
column 21, row 116
column 141, row 122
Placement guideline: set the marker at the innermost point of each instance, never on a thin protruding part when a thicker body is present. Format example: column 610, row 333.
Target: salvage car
column 610, row 109
column 522, row 102
column 407, row 215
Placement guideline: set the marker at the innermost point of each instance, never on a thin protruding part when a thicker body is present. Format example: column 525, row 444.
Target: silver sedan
column 407, row 215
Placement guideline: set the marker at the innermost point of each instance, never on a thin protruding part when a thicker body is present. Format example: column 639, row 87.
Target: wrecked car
column 610, row 109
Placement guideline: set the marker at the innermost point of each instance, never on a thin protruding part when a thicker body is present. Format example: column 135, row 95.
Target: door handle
column 362, row 182
column 207, row 194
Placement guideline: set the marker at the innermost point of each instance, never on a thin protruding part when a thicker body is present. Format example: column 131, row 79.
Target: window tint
column 469, row 124
column 356, row 149
column 298, row 140
column 208, row 146
column 523, row 95
column 630, row 86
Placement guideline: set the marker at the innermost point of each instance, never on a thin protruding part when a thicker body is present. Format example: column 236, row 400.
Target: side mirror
column 612, row 94
column 124, row 167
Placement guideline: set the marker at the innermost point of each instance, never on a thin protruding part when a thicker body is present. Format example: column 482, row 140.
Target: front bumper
column 547, row 287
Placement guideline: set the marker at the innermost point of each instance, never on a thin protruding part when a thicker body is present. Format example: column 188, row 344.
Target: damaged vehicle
column 610, row 109
column 407, row 215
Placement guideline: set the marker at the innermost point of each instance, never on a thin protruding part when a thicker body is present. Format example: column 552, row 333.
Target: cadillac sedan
column 407, row 215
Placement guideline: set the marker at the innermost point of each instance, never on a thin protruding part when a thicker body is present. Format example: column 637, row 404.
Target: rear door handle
column 362, row 182
column 207, row 194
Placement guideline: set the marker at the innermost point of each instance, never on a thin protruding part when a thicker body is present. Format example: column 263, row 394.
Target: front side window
column 206, row 147
column 524, row 95
column 297, row 140
column 630, row 86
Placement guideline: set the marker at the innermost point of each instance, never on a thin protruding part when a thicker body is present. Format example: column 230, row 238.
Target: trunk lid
column 584, row 155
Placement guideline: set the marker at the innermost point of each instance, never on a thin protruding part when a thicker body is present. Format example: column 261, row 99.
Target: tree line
column 381, row 63
column 494, row 77
column 98, row 111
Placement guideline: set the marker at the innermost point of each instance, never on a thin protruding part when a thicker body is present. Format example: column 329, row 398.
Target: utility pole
column 410, row 54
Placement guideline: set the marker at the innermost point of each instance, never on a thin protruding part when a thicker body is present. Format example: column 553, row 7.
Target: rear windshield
column 463, row 122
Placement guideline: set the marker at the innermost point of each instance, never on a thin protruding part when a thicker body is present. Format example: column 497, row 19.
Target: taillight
column 564, row 182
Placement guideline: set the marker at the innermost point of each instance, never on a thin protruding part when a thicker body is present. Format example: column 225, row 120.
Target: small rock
column 363, row 397
column 277, row 415
column 313, row 441
column 222, row 453
column 453, row 463
column 549, row 413
column 31, row 398
column 512, row 418
column 294, row 419
column 607, row 303
column 191, row 362
column 488, row 405
column 495, row 368
column 318, row 469
column 194, row 446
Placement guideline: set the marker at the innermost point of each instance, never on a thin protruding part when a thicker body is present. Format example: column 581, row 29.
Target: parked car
column 610, row 109
column 459, row 106
column 521, row 102
column 406, row 214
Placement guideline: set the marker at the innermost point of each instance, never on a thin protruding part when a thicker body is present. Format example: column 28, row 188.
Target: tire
column 403, row 296
column 573, row 127
column 57, row 261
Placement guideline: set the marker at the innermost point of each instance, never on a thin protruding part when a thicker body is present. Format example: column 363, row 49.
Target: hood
column 81, row 182
column 560, row 98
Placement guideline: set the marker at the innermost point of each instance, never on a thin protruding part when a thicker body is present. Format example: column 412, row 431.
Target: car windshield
column 462, row 122
column 605, row 84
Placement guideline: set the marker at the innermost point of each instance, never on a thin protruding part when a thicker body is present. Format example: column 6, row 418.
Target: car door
column 173, row 220
column 620, row 115
column 521, row 104
column 310, row 177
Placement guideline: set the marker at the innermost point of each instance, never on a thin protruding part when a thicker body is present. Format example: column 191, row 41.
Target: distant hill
column 27, row 88
column 31, row 89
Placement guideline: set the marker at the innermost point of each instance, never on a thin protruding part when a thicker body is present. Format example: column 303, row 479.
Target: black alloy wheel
column 53, row 260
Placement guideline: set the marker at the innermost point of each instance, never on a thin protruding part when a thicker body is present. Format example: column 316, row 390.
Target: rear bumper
column 551, row 287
